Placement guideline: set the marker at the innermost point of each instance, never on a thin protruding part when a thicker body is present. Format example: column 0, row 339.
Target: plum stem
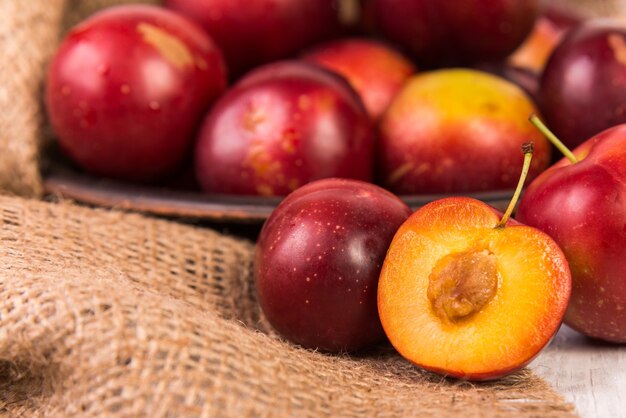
column 527, row 149
column 553, row 138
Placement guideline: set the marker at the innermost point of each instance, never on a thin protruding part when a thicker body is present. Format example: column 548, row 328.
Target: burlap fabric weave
column 111, row 314
column 29, row 33
column 105, row 314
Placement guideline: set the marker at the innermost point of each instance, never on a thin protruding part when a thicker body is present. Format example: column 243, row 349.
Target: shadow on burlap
column 111, row 314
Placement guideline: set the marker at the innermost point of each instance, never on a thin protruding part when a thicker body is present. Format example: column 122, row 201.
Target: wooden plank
column 588, row 373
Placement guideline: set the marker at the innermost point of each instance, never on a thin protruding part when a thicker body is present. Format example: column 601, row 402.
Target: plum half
column 463, row 296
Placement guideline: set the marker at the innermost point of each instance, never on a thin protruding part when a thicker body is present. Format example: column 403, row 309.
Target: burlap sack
column 110, row 314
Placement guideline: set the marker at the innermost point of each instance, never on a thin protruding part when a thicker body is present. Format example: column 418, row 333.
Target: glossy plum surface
column 255, row 32
column 284, row 125
column 583, row 207
column 457, row 131
column 318, row 259
column 376, row 70
column 128, row 88
column 453, row 32
column 583, row 88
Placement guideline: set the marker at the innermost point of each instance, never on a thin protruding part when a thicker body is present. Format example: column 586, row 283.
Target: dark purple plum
column 583, row 87
column 318, row 259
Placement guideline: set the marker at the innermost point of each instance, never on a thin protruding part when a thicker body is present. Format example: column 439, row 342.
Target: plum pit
column 462, row 283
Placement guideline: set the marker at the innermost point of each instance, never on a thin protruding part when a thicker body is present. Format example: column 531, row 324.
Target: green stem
column 552, row 138
column 527, row 149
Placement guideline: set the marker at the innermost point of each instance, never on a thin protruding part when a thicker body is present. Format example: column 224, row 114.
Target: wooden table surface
column 588, row 373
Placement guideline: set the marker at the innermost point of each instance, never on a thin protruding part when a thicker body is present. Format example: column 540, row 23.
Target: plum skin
column 256, row 32
column 283, row 125
column 127, row 89
column 581, row 206
column 446, row 33
column 375, row 69
column 582, row 90
column 442, row 124
column 318, row 259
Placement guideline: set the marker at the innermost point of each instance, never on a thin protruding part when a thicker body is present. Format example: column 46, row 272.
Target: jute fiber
column 29, row 34
column 111, row 314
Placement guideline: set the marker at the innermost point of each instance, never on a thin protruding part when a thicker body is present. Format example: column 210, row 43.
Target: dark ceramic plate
column 83, row 188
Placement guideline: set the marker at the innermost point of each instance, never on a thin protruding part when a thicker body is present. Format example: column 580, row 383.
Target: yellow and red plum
column 457, row 130
column 550, row 28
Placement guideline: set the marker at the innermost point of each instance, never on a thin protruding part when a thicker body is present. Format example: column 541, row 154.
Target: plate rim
column 164, row 201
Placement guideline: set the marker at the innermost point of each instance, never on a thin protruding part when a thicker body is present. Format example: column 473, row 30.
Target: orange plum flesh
column 461, row 297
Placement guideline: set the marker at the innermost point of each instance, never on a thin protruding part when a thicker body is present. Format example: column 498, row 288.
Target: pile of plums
column 341, row 112
column 263, row 97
